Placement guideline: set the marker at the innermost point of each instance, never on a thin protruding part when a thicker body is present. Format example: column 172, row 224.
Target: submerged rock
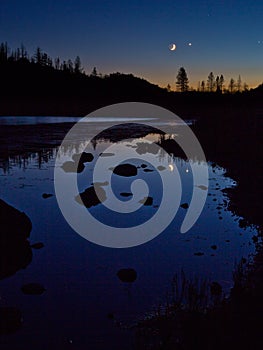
column 161, row 167
column 199, row 254
column 202, row 187
column 86, row 157
column 185, row 205
column 47, row 195
column 126, row 194
column 90, row 198
column 148, row 201
column 38, row 245
column 15, row 250
column 33, row 289
column 72, row 167
column 106, row 154
column 125, row 170
column 148, row 170
column 127, row 275
column 83, row 157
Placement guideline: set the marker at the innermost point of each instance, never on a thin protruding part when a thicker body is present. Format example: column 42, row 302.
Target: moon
column 172, row 47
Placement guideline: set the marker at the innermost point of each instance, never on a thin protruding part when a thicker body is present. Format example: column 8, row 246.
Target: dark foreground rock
column 15, row 250
column 10, row 320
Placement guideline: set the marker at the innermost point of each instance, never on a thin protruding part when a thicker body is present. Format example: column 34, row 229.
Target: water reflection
column 79, row 276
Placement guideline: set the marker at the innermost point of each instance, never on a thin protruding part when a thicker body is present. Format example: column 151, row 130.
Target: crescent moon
column 172, row 47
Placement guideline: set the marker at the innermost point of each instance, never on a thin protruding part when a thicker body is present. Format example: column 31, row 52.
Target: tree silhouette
column 3, row 52
column 211, row 82
column 218, row 84
column 38, row 56
column 182, row 82
column 57, row 63
column 232, row 85
column 239, row 84
column 203, row 86
column 245, row 87
column 94, row 72
column 221, row 82
column 77, row 65
column 24, row 54
column 70, row 66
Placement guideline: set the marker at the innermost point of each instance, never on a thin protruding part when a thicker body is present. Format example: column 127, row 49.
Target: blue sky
column 133, row 36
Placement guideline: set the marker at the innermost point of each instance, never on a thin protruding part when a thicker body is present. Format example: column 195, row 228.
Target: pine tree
column 211, row 82
column 77, row 65
column 221, row 82
column 239, row 84
column 182, row 82
column 232, row 85
column 94, row 72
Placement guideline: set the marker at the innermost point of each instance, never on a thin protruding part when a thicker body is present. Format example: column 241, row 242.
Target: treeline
column 40, row 85
column 212, row 84
column 41, row 58
column 41, row 75
column 219, row 84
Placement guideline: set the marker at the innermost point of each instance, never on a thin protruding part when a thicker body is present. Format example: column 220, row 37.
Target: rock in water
column 37, row 245
column 73, row 167
column 185, row 205
column 148, row 201
column 127, row 275
column 15, row 250
column 199, row 254
column 126, row 194
column 33, row 289
column 47, row 195
column 86, row 157
column 125, row 170
column 90, row 198
column 83, row 157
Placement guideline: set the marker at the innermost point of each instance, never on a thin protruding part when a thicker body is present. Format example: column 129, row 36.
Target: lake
column 85, row 304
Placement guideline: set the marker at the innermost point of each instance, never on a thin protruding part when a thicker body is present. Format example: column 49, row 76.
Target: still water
column 80, row 277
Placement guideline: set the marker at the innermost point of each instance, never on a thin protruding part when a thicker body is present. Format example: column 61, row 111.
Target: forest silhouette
column 41, row 85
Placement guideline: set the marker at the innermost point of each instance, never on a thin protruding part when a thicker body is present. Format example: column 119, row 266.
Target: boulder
column 127, row 275
column 15, row 250
column 125, row 170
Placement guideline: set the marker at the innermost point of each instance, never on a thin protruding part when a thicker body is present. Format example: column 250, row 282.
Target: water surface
column 82, row 286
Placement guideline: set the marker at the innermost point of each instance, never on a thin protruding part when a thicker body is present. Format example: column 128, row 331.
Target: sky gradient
column 134, row 36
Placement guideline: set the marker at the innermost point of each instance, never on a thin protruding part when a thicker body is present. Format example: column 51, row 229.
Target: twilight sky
column 133, row 36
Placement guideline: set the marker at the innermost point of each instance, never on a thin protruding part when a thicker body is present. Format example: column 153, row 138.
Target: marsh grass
column 194, row 295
